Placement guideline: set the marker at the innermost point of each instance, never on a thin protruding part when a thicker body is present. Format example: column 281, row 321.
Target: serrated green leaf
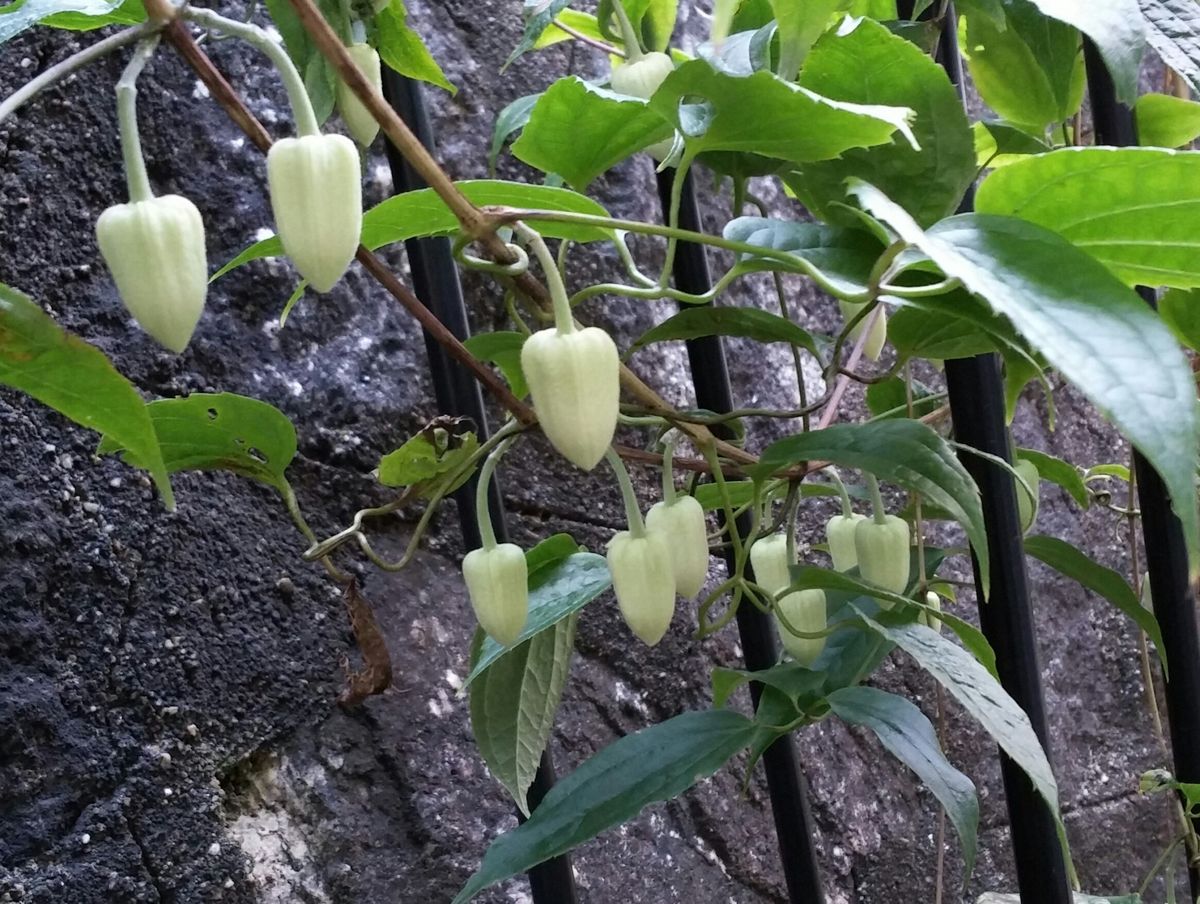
column 218, row 431
column 1133, row 209
column 1059, row 472
column 1075, row 564
column 1166, row 121
column 555, row 592
column 1173, row 30
column 502, row 348
column 513, row 703
column 421, row 213
column 744, row 323
column 843, row 258
column 763, row 114
column 870, row 65
column 906, row 452
column 1097, row 332
column 402, row 49
column 77, row 380
column 654, row 764
column 511, row 119
column 579, row 130
column 538, row 16
column 987, row 702
column 906, row 732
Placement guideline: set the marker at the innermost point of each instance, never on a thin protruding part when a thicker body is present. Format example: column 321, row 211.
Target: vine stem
column 633, row 512
column 482, row 509
column 293, row 83
column 878, row 509
column 586, row 39
column 633, row 47
column 72, row 64
column 668, row 470
column 564, row 322
column 131, row 142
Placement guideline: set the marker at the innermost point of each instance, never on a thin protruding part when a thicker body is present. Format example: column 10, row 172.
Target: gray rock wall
column 168, row 725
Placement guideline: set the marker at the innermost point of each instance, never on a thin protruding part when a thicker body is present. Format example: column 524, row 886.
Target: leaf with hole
column 651, row 765
column 906, row 732
column 77, row 380
column 218, row 432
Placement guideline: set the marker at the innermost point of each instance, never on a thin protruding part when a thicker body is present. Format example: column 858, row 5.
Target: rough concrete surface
column 168, row 725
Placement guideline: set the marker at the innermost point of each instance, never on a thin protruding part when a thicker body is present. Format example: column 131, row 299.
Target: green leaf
column 763, row 114
column 1116, row 28
column 1180, row 311
column 906, row 452
column 745, row 323
column 998, row 144
column 434, row 461
column 1173, row 30
column 890, row 397
column 806, row 577
column 1027, row 68
column 1060, row 472
column 926, row 332
column 502, row 348
column 842, row 258
column 76, row 14
column 1072, row 562
column 402, row 49
column 584, row 23
column 654, row 764
column 870, row 65
column 801, row 23
column 130, row 12
column 906, row 732
column 555, row 592
column 710, row 498
column 218, row 431
column 511, row 119
column 579, row 131
column 1098, row 333
column 1167, row 121
column 1133, row 209
column 548, row 553
column 421, row 213
column 987, row 702
column 513, row 705
column 538, row 16
column 77, row 380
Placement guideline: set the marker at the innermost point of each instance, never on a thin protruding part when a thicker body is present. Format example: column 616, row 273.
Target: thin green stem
column 668, row 472
column 927, row 291
column 677, row 183
column 293, row 83
column 878, row 510
column 630, row 264
column 656, row 292
column 633, row 513
column 564, row 321
column 72, row 64
column 847, row 506
column 131, row 142
column 483, row 513
column 794, row 263
column 633, row 47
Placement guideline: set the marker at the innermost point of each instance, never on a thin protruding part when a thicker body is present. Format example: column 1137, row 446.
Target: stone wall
column 168, row 725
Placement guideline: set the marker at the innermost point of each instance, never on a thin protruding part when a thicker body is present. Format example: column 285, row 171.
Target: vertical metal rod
column 710, row 378
column 977, row 407
column 1166, row 552
column 435, row 280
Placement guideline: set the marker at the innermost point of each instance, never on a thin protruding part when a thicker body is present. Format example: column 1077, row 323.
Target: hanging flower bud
column 682, row 521
column 640, row 78
column 316, row 196
column 574, row 379
column 839, row 535
column 155, row 251
column 498, row 584
column 644, row 582
column 358, row 118
column 769, row 559
column 805, row 611
column 881, row 544
column 927, row 618
column 1027, row 506
column 878, row 335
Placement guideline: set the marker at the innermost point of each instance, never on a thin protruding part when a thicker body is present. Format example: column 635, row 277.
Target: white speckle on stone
column 200, row 90
column 214, row 849
column 85, row 838
column 168, row 792
column 364, row 343
column 453, row 679
column 238, row 143
column 262, row 234
column 91, row 507
column 624, row 695
column 381, row 175
column 26, row 62
column 435, row 709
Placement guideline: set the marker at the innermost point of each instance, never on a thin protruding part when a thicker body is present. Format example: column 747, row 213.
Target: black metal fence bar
column 710, row 378
column 435, row 280
column 977, row 407
column 1166, row 552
